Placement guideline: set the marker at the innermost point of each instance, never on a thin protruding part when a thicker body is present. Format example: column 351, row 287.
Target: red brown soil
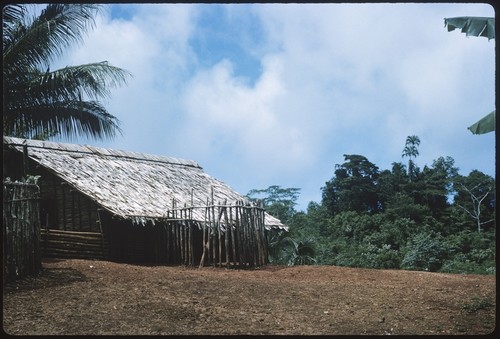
column 85, row 297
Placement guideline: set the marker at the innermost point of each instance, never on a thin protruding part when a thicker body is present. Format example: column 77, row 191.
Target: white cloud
column 224, row 113
column 333, row 79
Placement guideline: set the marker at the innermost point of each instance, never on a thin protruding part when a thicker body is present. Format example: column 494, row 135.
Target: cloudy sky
column 276, row 94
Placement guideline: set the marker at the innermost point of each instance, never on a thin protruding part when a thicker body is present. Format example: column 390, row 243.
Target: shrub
column 425, row 251
column 461, row 264
column 477, row 304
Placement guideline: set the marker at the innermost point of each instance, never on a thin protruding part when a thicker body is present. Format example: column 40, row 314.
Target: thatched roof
column 131, row 185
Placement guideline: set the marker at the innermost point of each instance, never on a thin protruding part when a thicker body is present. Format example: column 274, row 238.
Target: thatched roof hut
column 130, row 185
column 136, row 187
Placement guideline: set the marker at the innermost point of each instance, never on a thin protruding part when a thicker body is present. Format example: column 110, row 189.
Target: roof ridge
column 100, row 151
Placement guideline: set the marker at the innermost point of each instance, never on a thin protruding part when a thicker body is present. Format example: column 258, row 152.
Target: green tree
column 279, row 202
column 475, row 197
column 402, row 205
column 435, row 185
column 40, row 103
column 391, row 183
column 353, row 188
column 411, row 150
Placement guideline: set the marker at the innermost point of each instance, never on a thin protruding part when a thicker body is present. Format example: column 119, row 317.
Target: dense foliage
column 431, row 219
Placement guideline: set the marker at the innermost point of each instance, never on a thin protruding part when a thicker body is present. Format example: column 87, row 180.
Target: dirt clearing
column 85, row 297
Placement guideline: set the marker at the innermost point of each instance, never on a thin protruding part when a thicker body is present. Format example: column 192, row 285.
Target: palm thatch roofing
column 134, row 186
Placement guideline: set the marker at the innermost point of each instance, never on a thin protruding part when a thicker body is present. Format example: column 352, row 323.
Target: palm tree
column 40, row 103
column 302, row 252
column 288, row 251
column 410, row 151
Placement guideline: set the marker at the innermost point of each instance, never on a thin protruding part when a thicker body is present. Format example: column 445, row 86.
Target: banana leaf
column 476, row 26
column 485, row 125
column 472, row 25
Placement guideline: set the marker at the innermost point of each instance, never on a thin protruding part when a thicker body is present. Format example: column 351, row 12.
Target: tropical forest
column 407, row 217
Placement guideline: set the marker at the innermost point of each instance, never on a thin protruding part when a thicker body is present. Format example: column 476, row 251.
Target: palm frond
column 39, row 102
column 92, row 81
column 66, row 119
column 38, row 41
column 11, row 15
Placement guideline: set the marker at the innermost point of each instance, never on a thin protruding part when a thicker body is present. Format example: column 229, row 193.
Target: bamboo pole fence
column 229, row 236
column 21, row 230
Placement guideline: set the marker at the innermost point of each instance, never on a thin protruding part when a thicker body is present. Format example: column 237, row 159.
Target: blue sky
column 275, row 94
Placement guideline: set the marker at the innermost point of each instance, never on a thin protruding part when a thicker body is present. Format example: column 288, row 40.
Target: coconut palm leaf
column 37, row 41
column 65, row 118
column 70, row 83
column 63, row 102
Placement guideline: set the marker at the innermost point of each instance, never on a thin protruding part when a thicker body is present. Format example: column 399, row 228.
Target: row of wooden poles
column 231, row 235
column 21, row 230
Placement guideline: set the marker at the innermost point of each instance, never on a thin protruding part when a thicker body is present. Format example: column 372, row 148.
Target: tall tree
column 353, row 188
column 391, row 182
column 475, row 196
column 411, row 150
column 434, row 185
column 39, row 102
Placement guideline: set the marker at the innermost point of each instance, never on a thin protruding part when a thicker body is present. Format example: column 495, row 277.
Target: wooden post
column 175, row 244
column 255, row 231
column 244, row 234
column 184, row 236
column 100, row 229
column 191, row 243
column 262, row 236
column 188, row 236
column 208, row 230
column 219, row 231
column 226, row 236
column 232, row 234
column 257, row 235
column 251, row 235
column 181, row 239
column 237, row 230
column 203, row 243
column 212, row 228
column 63, row 207
column 206, row 234
column 240, row 234
column 46, row 234
column 167, row 241
column 251, row 240
column 25, row 160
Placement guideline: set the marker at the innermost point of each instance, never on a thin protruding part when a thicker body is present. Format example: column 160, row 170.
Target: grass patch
column 477, row 304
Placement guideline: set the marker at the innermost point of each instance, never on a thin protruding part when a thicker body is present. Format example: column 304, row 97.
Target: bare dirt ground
column 85, row 297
